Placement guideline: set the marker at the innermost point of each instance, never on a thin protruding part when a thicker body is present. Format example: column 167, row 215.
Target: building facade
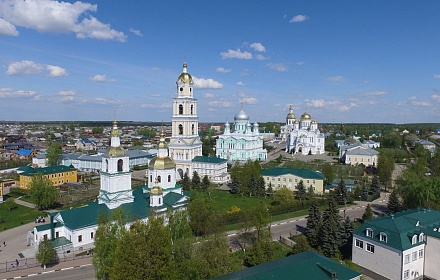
column 58, row 175
column 242, row 143
column 403, row 245
column 215, row 168
column 185, row 143
column 290, row 177
column 304, row 136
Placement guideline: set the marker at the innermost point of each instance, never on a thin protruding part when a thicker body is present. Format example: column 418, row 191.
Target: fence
column 25, row 263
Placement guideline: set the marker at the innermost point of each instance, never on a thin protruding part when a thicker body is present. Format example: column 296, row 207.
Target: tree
column 10, row 203
column 313, row 225
column 260, row 216
column 385, row 167
column 253, row 187
column 53, row 153
column 42, row 192
column 434, row 164
column 261, row 187
column 144, row 252
column 234, row 185
column 301, row 192
column 186, row 183
column 364, row 192
column 270, row 189
column 261, row 251
column 375, row 185
column 341, row 192
column 106, row 241
column 46, row 253
column 301, row 245
column 346, row 236
column 284, row 196
column 195, row 181
column 329, row 236
column 368, row 214
column 149, row 133
column 205, row 183
column 97, row 130
column 329, row 173
column 204, row 220
column 393, row 204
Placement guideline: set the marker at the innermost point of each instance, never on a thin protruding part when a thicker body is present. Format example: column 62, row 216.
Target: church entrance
column 300, row 149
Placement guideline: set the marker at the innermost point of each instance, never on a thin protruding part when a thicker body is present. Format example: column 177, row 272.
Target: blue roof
column 24, row 152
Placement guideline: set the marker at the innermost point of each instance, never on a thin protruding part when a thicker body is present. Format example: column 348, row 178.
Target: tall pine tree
column 375, row 185
column 345, row 235
column 313, row 224
column 341, row 192
column 329, row 236
column 393, row 204
column 301, row 192
column 195, row 181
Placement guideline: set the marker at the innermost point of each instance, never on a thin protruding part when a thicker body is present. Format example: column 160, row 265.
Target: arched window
column 120, row 164
column 414, row 239
column 191, row 109
column 421, row 237
column 180, row 129
column 106, row 165
column 158, row 179
column 159, row 201
column 192, row 129
column 151, row 178
column 180, row 109
column 169, row 178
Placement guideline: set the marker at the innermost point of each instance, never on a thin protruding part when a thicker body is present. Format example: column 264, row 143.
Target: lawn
column 18, row 216
column 224, row 200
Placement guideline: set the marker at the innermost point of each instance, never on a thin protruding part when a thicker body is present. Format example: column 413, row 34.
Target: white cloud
column 27, row 67
column 66, row 95
column 376, row 93
column 155, row 94
column 163, row 105
column 299, row 18
column 281, row 67
column 436, row 97
column 299, row 63
column 261, row 57
column 6, row 28
column 9, row 93
column 136, row 32
column 335, row 79
column 221, row 103
column 236, row 54
column 223, row 70
column 258, row 47
column 58, row 17
column 56, row 71
column 206, row 83
column 101, row 79
column 247, row 99
column 208, row 95
column 436, row 76
column 240, row 84
column 103, row 101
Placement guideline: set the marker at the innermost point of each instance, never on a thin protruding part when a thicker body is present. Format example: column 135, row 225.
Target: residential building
column 290, row 178
column 349, row 185
column 5, row 184
column 361, row 155
column 58, row 175
column 303, row 135
column 215, row 168
column 404, row 245
column 86, row 145
column 306, row 265
column 244, row 142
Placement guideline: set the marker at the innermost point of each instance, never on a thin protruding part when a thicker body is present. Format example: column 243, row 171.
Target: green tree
column 393, row 204
column 434, row 164
column 234, row 185
column 253, row 187
column 284, row 196
column 53, row 154
column 364, row 192
column 107, row 237
column 261, row 251
column 313, row 224
column 195, row 181
column 144, row 252
column 10, row 203
column 368, row 214
column 301, row 245
column 205, row 183
column 346, row 236
column 46, row 253
column 329, row 172
column 97, row 130
column 269, row 189
column 261, row 187
column 42, row 192
column 204, row 220
column 260, row 216
column 329, row 236
column 149, row 133
column 385, row 167
column 341, row 192
column 301, row 192
column 375, row 185
column 186, row 182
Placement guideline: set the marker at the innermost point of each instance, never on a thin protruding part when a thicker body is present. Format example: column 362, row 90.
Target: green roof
column 306, row 265
column 303, row 173
column 60, row 241
column 85, row 216
column 209, row 159
column 401, row 227
column 47, row 170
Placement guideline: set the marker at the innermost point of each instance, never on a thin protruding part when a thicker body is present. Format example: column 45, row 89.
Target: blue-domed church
column 242, row 142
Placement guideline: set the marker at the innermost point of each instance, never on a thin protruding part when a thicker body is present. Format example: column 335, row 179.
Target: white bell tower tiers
column 185, row 142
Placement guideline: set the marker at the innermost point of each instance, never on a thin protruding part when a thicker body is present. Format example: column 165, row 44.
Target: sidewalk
column 39, row 270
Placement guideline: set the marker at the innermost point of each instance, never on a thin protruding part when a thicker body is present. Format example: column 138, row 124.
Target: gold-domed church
column 302, row 136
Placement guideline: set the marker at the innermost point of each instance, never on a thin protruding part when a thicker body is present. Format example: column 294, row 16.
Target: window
column 169, row 178
column 370, row 248
column 57, row 234
column 406, row 259
column 80, row 238
column 414, row 239
column 191, row 109
column 120, row 164
column 406, row 274
column 180, row 109
column 91, row 235
column 359, row 243
column 158, row 179
column 45, row 237
column 383, row 237
column 369, row 232
column 421, row 237
column 180, row 129
column 414, row 256
column 420, row 253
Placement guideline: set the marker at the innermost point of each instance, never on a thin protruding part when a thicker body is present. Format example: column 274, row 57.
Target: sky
column 340, row 61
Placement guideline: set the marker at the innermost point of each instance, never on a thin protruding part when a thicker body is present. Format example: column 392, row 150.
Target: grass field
column 18, row 216
column 224, row 200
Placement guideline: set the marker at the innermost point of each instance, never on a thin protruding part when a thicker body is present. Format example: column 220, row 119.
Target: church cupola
column 156, row 197
column 185, row 83
column 290, row 116
column 115, row 150
column 227, row 128
column 256, row 128
column 248, row 128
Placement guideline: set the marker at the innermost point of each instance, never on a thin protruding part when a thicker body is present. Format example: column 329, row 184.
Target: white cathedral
column 302, row 136
column 243, row 142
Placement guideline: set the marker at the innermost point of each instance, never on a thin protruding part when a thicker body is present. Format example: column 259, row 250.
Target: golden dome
column 116, row 151
column 314, row 122
column 297, row 121
column 156, row 190
column 290, row 116
column 305, row 116
column 161, row 163
column 185, row 77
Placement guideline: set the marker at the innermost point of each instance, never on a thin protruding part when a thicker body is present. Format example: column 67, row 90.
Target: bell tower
column 185, row 142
